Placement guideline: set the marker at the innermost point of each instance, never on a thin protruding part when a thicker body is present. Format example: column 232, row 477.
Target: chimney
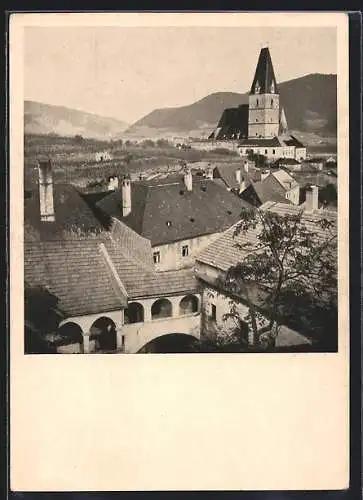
column 209, row 172
column 312, row 198
column 112, row 183
column 46, row 200
column 238, row 176
column 264, row 174
column 126, row 195
column 188, row 179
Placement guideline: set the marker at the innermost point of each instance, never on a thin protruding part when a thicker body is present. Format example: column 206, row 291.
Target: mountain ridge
column 310, row 104
column 42, row 118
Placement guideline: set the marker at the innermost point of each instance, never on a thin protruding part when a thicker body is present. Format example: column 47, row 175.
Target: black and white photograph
column 179, row 186
column 180, row 190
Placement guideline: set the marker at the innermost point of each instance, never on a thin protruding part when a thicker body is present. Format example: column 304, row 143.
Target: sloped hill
column 310, row 104
column 48, row 119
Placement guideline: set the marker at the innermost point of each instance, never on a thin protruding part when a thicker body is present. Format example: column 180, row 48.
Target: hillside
column 310, row 104
column 48, row 119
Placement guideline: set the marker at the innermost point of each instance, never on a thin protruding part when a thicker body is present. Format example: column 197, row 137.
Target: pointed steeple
column 264, row 81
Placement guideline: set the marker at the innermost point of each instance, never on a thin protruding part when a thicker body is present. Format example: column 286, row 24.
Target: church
column 260, row 127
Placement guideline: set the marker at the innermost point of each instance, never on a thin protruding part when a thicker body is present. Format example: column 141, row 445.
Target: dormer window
column 257, row 88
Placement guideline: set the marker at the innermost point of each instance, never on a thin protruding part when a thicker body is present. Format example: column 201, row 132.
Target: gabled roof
column 75, row 272
column 93, row 275
column 72, row 213
column 227, row 173
column 264, row 74
column 268, row 191
column 164, row 211
column 285, row 179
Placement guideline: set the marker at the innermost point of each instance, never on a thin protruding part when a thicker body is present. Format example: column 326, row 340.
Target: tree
column 288, row 272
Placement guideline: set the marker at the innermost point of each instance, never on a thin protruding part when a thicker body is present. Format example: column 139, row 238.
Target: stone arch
column 103, row 333
column 188, row 305
column 170, row 343
column 70, row 338
column 134, row 313
column 161, row 308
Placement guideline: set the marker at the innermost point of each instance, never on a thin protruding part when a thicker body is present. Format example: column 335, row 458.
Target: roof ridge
column 115, row 277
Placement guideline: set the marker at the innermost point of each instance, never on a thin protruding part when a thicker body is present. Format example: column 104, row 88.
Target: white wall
column 294, row 195
column 171, row 253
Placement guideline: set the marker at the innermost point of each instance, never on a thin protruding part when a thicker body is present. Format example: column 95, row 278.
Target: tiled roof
column 224, row 252
column 73, row 271
column 260, row 143
column 78, row 274
column 264, row 73
column 266, row 191
column 227, row 173
column 285, row 179
column 208, row 208
column 146, row 282
column 233, row 124
column 72, row 213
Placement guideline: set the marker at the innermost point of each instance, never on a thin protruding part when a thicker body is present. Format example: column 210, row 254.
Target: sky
column 126, row 72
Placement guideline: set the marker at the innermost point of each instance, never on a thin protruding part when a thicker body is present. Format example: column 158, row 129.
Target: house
column 90, row 281
column 180, row 215
column 278, row 186
column 101, row 156
column 260, row 127
column 236, row 177
column 228, row 250
column 288, row 164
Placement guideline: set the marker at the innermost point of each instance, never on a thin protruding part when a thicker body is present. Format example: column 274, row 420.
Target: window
column 272, row 103
column 265, row 151
column 213, row 312
column 156, row 257
column 122, row 341
column 185, row 251
column 257, row 103
column 273, row 152
column 256, row 119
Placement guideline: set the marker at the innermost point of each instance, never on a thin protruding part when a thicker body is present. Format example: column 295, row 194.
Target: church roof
column 164, row 211
column 233, row 124
column 264, row 74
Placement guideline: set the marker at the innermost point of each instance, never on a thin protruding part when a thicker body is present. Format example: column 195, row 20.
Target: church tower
column 264, row 101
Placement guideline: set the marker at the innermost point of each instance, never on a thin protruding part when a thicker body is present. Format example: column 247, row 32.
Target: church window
column 265, row 151
column 272, row 88
column 273, row 151
column 257, row 103
column 156, row 257
column 256, row 119
column 272, row 103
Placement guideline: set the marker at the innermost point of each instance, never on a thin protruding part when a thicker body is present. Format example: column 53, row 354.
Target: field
column 74, row 159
